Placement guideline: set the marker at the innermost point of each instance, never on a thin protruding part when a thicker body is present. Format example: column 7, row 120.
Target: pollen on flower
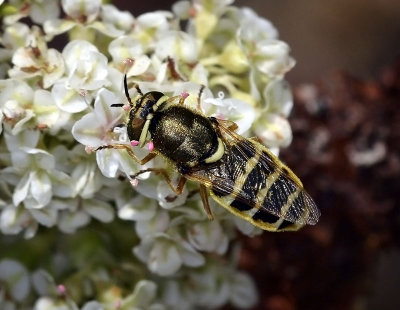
column 134, row 143
column 150, row 146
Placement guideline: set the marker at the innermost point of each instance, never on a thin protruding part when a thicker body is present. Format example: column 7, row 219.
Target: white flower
column 243, row 293
column 178, row 45
column 15, row 278
column 15, row 36
column 274, row 130
column 120, row 19
column 208, row 236
column 158, row 223
column 86, row 67
column 37, row 10
column 165, row 254
column 125, row 47
column 46, row 303
column 35, row 59
column 39, row 179
column 14, row 220
column 213, row 5
column 15, row 98
column 136, row 207
column 86, row 17
column 278, row 97
column 58, row 101
column 82, row 10
column 231, row 109
column 42, row 10
column 142, row 297
column 272, row 57
column 167, row 198
column 149, row 27
column 258, row 39
column 68, row 99
column 253, row 27
column 96, row 129
column 77, row 212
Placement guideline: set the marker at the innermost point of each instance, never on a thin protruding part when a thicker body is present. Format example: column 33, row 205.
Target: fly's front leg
column 142, row 161
column 201, row 90
column 176, row 189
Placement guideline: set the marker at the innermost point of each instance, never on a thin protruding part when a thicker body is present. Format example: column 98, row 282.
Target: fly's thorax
column 185, row 137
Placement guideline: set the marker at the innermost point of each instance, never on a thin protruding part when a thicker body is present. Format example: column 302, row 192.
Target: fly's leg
column 142, row 161
column 201, row 90
column 204, row 199
column 176, row 189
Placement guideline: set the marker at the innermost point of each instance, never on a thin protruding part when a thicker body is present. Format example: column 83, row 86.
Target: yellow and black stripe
column 253, row 184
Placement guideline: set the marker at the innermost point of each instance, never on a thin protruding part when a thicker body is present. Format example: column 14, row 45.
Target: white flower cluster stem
column 56, row 108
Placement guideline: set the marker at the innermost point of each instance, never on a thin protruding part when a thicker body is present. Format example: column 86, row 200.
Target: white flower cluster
column 55, row 106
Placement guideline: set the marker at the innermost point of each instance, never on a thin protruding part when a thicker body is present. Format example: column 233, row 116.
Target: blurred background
column 359, row 36
column 346, row 149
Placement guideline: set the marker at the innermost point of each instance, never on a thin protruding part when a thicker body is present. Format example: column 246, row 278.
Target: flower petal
column 243, row 293
column 45, row 216
column 87, row 10
column 16, row 278
column 164, row 258
column 99, row 210
column 41, row 187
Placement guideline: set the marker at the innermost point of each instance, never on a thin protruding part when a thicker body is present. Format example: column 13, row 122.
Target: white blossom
column 84, row 10
column 35, row 59
column 86, row 67
column 16, row 279
column 65, row 151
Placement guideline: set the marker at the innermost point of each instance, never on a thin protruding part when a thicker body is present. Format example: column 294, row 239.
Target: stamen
column 42, row 126
column 221, row 116
column 128, row 62
column 89, row 149
column 82, row 93
column 134, row 143
column 192, row 12
column 150, row 146
column 62, row 290
column 134, row 182
column 184, row 94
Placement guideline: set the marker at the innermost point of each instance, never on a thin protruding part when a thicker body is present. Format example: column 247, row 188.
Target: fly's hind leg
column 204, row 199
column 228, row 124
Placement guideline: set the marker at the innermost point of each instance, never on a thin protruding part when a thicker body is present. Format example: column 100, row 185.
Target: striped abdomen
column 253, row 184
